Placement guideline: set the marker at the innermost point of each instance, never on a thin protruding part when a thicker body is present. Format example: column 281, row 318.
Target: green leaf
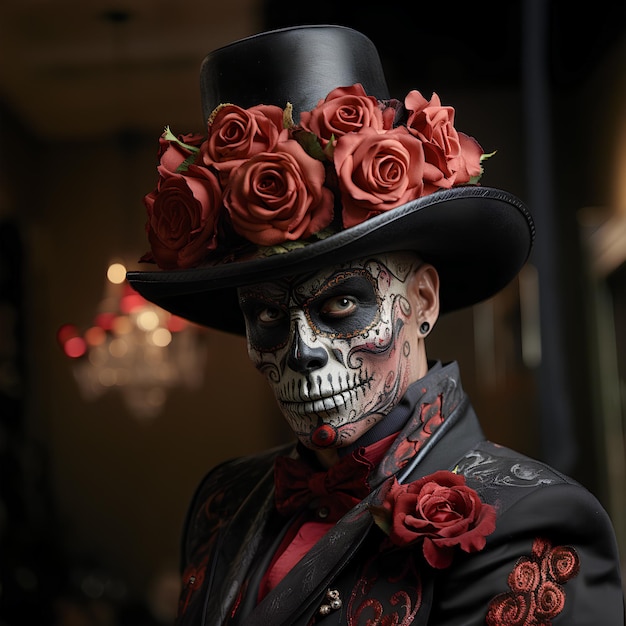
column 282, row 248
column 323, row 234
column 311, row 144
column 288, row 116
column 168, row 135
column 381, row 518
column 329, row 150
column 184, row 166
column 483, row 157
column 288, row 246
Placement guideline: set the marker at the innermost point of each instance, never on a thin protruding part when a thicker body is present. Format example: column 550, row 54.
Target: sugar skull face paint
column 339, row 347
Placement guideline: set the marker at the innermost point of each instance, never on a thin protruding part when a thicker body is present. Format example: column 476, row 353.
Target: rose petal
column 437, row 556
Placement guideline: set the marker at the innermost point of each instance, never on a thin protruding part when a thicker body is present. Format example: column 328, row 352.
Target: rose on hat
column 307, row 161
column 259, row 178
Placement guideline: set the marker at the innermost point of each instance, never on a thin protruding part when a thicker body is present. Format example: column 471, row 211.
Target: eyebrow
column 333, row 284
column 266, row 291
column 294, row 287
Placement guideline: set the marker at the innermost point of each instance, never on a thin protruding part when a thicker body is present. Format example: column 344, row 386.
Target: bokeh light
column 116, row 273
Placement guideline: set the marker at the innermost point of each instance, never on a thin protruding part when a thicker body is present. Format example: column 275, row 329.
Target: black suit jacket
column 552, row 559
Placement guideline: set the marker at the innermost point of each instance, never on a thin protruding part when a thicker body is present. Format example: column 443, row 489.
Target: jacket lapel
column 299, row 594
column 294, row 600
column 237, row 548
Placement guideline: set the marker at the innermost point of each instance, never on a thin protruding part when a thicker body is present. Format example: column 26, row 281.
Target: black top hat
column 296, row 65
column 477, row 237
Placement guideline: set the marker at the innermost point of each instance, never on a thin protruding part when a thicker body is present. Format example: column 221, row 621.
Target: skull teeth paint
column 338, row 347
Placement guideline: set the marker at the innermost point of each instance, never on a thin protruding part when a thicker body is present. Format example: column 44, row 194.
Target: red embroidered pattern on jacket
column 402, row 577
column 536, row 595
column 209, row 520
column 192, row 580
column 430, row 418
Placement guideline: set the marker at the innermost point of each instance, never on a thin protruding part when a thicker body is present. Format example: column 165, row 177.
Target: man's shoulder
column 225, row 487
column 243, row 471
column 522, row 486
column 493, row 466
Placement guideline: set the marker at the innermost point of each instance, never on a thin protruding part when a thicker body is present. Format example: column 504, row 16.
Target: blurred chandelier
column 135, row 347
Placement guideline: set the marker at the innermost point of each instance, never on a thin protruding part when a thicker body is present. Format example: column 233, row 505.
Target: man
column 332, row 225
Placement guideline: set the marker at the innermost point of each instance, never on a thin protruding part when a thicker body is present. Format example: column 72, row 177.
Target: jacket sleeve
column 209, row 519
column 552, row 560
column 210, row 509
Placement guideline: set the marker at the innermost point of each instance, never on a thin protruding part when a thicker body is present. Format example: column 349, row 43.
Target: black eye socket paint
column 346, row 305
column 267, row 322
column 330, row 316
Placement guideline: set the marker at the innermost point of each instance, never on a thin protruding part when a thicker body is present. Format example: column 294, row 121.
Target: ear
column 424, row 289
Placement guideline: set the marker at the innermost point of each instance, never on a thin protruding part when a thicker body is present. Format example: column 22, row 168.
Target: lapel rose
column 439, row 511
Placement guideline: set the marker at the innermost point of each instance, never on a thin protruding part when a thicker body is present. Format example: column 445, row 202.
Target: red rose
column 182, row 217
column 236, row 134
column 280, row 181
column 377, row 171
column 439, row 510
column 345, row 110
column 174, row 151
column 454, row 157
column 279, row 196
column 467, row 164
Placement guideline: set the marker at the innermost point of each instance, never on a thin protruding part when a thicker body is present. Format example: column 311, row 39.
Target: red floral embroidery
column 364, row 609
column 192, row 580
column 208, row 520
column 536, row 595
column 430, row 418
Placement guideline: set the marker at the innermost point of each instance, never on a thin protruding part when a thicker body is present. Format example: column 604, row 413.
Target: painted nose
column 304, row 358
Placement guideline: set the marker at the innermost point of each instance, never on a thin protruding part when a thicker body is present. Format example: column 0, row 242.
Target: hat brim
column 478, row 238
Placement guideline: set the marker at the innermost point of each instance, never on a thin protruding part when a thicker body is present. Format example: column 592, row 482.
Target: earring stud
column 424, row 328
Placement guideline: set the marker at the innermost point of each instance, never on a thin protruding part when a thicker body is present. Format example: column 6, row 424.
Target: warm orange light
column 95, row 336
column 121, row 325
column 147, row 320
column 161, row 337
column 116, row 273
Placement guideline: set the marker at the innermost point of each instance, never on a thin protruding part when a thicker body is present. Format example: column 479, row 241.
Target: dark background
column 91, row 496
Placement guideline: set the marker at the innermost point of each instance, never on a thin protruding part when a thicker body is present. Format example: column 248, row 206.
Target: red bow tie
column 333, row 492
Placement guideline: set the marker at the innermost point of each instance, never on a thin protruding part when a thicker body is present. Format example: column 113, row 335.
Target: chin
column 328, row 434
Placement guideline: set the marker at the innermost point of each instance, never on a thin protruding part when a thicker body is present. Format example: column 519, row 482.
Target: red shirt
column 305, row 533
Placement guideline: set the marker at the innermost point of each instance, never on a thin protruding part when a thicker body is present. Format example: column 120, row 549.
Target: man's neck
column 327, row 458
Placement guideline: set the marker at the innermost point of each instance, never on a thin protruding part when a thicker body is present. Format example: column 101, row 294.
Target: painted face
column 339, row 347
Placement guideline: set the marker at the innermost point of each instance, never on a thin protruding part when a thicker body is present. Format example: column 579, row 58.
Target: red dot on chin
column 324, row 436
